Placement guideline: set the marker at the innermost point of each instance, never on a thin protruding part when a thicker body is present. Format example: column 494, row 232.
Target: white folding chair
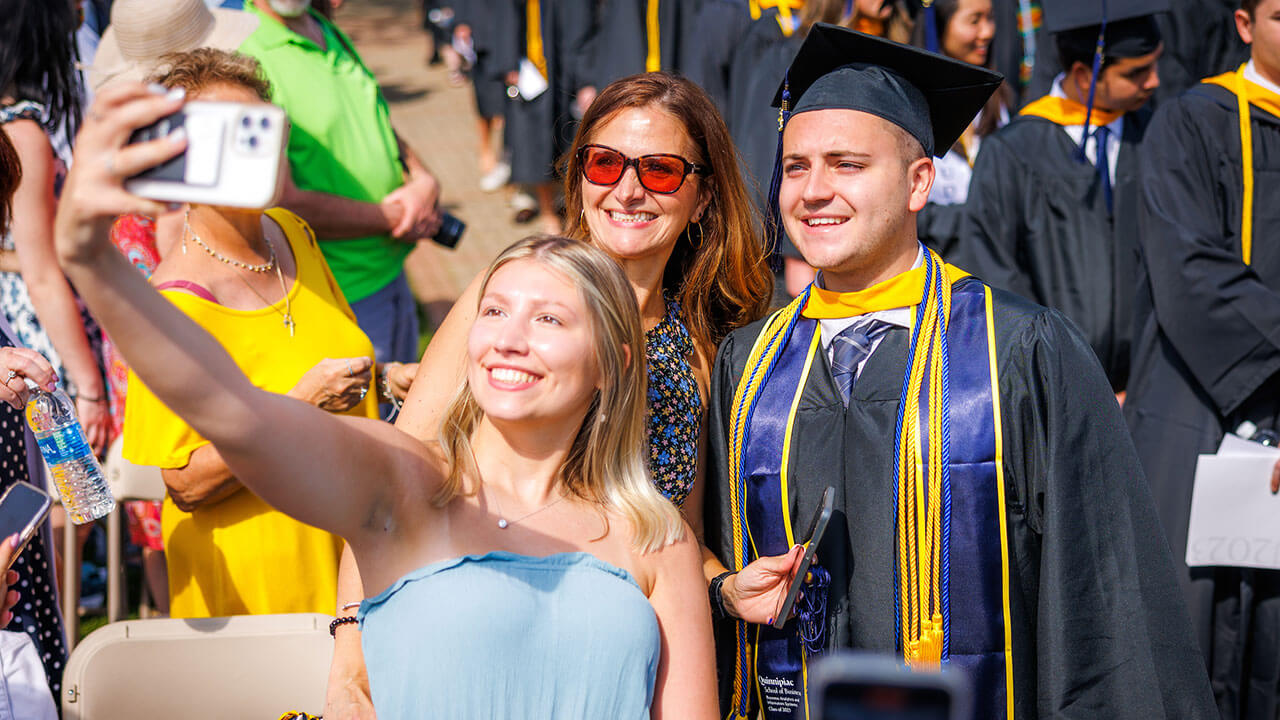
column 128, row 482
column 248, row 666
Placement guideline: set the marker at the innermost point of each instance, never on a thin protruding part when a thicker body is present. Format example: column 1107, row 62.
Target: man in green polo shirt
column 360, row 187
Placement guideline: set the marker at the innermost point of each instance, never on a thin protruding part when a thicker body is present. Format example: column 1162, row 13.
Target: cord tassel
column 811, row 611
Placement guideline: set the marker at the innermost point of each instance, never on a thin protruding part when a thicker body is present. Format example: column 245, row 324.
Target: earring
column 701, row 237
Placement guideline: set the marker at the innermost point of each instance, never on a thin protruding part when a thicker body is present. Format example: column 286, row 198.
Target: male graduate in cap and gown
column 1207, row 344
column 990, row 511
column 1052, row 211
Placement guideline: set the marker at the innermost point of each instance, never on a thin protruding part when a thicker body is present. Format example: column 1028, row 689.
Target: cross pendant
column 289, row 323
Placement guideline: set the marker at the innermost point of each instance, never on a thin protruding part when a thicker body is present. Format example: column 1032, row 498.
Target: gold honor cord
column 1246, row 157
column 919, row 510
column 1247, row 93
column 763, row 353
column 533, row 36
column 653, row 60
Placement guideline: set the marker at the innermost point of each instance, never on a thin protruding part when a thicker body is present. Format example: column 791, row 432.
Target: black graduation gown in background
column 1007, row 47
column 1206, row 358
column 715, row 33
column 618, row 41
column 1098, row 627
column 760, row 61
column 539, row 131
column 1037, row 223
column 490, row 85
column 1200, row 40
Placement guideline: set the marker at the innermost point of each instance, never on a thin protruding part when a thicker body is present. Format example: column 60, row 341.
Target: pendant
column 502, row 523
column 289, row 323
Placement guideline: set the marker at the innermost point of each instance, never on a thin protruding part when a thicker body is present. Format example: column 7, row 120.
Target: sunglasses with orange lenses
column 663, row 174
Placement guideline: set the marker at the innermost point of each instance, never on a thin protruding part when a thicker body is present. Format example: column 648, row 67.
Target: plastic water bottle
column 76, row 472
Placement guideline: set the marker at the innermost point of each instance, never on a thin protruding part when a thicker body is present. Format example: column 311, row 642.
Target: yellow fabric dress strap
column 533, row 36
column 1065, row 111
column 1247, row 93
column 653, row 59
column 900, row 291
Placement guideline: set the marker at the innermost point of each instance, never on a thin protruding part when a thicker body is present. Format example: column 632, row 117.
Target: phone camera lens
column 246, row 121
column 265, row 122
column 253, row 141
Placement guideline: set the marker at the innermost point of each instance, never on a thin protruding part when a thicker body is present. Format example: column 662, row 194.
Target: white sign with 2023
column 1235, row 519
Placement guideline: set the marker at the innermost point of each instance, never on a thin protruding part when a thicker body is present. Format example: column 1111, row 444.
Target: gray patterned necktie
column 850, row 348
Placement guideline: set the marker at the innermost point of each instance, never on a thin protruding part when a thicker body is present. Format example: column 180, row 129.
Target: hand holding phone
column 235, row 156
column 23, row 507
column 817, row 526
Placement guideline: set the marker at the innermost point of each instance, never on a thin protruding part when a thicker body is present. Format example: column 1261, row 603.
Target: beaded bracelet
column 333, row 626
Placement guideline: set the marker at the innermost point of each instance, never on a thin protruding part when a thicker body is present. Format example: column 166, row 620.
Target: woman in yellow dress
column 258, row 283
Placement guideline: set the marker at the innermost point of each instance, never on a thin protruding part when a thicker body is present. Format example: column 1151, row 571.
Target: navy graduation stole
column 958, row 582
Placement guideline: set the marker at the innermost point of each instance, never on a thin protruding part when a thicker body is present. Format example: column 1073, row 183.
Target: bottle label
column 67, row 443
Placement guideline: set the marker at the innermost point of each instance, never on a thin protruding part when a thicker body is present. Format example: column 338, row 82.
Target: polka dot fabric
column 37, row 612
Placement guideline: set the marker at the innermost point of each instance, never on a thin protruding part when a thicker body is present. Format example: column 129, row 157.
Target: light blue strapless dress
column 511, row 636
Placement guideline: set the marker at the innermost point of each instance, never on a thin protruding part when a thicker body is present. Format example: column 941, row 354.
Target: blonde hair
column 606, row 464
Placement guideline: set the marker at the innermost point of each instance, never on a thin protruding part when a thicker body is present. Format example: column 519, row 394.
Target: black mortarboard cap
column 1063, row 15
column 932, row 97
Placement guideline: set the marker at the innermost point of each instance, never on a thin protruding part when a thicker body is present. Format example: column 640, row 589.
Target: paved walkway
column 438, row 121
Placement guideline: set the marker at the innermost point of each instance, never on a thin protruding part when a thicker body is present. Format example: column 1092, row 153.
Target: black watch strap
column 715, row 593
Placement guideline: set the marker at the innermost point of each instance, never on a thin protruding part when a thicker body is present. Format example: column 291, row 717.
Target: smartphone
column 235, row 156
column 450, row 232
column 859, row 686
column 817, row 527
column 22, row 508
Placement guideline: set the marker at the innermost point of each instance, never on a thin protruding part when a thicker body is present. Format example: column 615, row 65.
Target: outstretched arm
column 441, row 370
column 262, row 436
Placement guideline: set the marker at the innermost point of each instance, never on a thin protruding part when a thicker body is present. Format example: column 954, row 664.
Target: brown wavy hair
column 10, row 178
column 721, row 276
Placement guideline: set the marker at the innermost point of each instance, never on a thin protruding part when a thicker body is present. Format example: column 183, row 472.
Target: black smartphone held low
column 817, row 527
column 859, row 686
column 22, row 508
column 450, row 232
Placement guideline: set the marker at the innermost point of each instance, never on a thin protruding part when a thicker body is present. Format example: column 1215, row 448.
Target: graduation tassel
column 773, row 226
column 930, row 26
column 811, row 610
column 1093, row 84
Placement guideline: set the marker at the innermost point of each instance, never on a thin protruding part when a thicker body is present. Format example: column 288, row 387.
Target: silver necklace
column 503, row 523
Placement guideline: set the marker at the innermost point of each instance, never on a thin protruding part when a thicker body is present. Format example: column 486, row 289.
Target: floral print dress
column 675, row 406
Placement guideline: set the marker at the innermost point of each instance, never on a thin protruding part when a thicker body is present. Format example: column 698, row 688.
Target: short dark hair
column 1135, row 36
column 909, row 148
column 1249, row 6
column 10, row 177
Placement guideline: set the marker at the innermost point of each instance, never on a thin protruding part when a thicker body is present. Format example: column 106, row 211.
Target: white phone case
column 235, row 156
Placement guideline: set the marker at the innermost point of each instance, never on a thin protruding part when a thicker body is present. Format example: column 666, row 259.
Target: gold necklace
column 186, row 230
column 287, row 315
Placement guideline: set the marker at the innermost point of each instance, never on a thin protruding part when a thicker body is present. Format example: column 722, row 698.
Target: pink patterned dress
column 135, row 236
